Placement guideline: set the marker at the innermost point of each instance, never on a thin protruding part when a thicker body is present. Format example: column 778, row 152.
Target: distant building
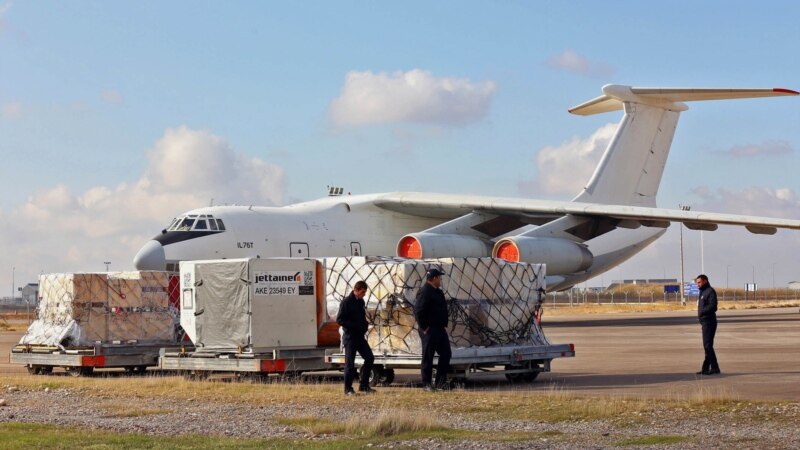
column 616, row 283
column 794, row 285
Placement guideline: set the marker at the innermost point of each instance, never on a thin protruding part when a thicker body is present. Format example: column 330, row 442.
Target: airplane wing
column 524, row 211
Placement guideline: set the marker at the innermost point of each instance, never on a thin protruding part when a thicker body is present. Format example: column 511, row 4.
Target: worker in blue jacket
column 430, row 310
column 707, row 314
column 352, row 318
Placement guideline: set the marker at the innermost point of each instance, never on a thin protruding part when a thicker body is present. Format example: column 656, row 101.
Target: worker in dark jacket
column 430, row 311
column 707, row 314
column 352, row 318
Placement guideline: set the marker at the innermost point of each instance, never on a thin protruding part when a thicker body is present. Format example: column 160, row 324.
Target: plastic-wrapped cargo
column 81, row 309
column 490, row 301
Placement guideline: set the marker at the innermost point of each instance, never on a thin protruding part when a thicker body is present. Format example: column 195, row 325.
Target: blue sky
column 95, row 94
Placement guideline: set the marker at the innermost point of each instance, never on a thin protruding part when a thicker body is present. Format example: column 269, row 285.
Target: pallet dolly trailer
column 285, row 362
column 519, row 362
column 135, row 358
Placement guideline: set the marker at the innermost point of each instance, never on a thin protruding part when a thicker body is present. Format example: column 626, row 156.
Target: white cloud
column 415, row 96
column 11, row 110
column 57, row 229
column 3, row 10
column 753, row 200
column 567, row 168
column 768, row 148
column 112, row 96
column 573, row 62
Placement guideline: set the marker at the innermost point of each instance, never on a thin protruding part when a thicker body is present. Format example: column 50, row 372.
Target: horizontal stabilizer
column 668, row 98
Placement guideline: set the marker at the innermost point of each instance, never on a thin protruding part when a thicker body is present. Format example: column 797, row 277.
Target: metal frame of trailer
column 201, row 364
column 82, row 361
column 519, row 362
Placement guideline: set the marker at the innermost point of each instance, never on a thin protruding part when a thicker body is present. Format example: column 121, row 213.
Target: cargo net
column 81, row 309
column 489, row 301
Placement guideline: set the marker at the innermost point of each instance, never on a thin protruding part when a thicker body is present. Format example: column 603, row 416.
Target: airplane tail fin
column 630, row 170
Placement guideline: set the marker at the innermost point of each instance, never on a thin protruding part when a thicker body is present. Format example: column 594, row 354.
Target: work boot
column 367, row 390
column 349, row 392
column 428, row 388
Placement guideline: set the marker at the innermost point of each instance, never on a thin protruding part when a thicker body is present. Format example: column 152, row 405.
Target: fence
column 576, row 297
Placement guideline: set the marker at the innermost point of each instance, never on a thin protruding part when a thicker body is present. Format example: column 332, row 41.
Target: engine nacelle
column 561, row 256
column 432, row 245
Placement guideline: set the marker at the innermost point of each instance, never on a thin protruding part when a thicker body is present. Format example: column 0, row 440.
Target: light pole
column 683, row 298
column 727, row 284
column 107, row 263
column 13, row 271
column 702, row 254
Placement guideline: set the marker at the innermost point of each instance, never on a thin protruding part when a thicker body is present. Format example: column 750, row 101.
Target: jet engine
column 432, row 245
column 561, row 255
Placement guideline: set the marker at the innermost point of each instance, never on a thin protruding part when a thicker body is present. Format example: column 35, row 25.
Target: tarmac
column 657, row 354
column 650, row 355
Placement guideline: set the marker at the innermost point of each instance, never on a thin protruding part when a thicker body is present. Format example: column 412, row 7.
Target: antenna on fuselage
column 335, row 191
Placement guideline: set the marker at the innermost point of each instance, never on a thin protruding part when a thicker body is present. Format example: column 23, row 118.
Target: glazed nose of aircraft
column 150, row 257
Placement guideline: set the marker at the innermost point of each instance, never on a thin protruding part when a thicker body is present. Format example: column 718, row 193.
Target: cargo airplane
column 610, row 220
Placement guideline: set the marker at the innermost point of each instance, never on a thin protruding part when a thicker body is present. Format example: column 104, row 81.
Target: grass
column 19, row 436
column 549, row 405
column 25, row 436
column 403, row 425
column 387, row 423
column 653, row 440
column 125, row 410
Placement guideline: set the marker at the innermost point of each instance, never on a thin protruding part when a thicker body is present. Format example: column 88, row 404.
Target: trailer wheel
column 46, row 370
column 34, row 370
column 80, row 371
column 530, row 377
column 140, row 369
column 514, row 377
column 381, row 377
column 292, row 375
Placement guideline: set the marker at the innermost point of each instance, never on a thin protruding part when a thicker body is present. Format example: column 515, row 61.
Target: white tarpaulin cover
column 490, row 301
column 77, row 309
column 222, row 309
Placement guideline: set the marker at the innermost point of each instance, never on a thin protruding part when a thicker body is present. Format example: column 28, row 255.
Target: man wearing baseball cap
column 430, row 311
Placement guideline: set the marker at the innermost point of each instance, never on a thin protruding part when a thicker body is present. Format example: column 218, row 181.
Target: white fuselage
column 338, row 226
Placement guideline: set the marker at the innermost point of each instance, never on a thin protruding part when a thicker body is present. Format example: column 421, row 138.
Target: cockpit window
column 185, row 225
column 194, row 222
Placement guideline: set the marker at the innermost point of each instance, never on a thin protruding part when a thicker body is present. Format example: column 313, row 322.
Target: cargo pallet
column 199, row 365
column 82, row 361
column 519, row 362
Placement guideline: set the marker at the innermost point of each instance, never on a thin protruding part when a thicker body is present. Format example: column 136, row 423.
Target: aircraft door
column 298, row 250
column 355, row 249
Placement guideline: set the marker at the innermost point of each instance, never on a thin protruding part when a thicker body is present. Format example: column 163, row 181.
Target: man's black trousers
column 353, row 344
column 435, row 341
column 709, row 330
